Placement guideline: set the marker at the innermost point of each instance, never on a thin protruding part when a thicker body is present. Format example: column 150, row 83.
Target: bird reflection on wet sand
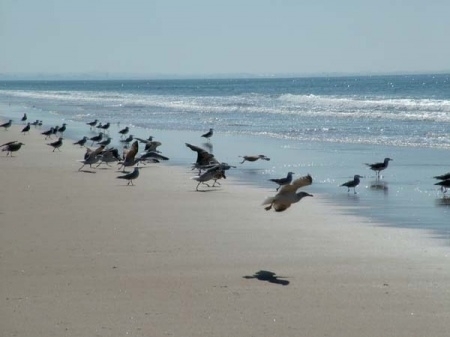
column 379, row 186
column 265, row 275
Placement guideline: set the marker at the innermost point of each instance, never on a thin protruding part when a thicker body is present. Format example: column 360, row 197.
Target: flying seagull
column 130, row 176
column 288, row 195
column 204, row 158
column 378, row 167
column 352, row 183
column 254, row 158
column 283, row 181
column 11, row 147
column 209, row 134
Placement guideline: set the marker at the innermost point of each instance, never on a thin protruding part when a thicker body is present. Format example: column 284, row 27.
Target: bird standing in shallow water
column 352, row 183
column 209, row 134
column 283, row 181
column 11, row 147
column 378, row 167
column 130, row 176
column 288, row 195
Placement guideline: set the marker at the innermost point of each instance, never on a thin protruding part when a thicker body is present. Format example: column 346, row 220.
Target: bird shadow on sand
column 86, row 171
column 268, row 276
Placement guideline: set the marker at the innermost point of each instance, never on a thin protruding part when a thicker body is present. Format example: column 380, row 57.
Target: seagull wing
column 296, row 184
column 131, row 154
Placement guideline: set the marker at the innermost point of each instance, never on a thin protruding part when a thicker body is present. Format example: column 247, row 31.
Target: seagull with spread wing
column 204, row 158
column 288, row 195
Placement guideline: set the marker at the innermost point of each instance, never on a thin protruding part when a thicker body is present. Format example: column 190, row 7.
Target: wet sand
column 82, row 254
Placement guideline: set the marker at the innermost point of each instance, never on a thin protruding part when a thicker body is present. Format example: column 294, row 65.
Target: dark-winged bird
column 254, row 158
column 283, row 181
column 352, row 183
column 57, row 144
column 378, row 167
column 204, row 158
column 288, row 195
column 81, row 142
column 209, row 134
column 26, row 128
column 11, row 147
column 130, row 176
column 6, row 125
column 124, row 131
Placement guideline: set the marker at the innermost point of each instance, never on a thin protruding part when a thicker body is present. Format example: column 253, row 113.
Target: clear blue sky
column 204, row 37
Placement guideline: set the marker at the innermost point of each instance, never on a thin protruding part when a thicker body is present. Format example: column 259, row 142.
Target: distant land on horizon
column 124, row 76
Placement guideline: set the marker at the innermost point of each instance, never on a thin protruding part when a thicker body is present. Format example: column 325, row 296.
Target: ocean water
column 326, row 126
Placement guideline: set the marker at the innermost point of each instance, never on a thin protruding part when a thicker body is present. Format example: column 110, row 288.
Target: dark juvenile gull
column 6, row 125
column 378, row 167
column 352, row 183
column 215, row 172
column 283, row 181
column 130, row 176
column 97, row 138
column 89, row 159
column 288, row 195
column 124, row 131
column 24, row 118
column 81, row 142
column 109, row 156
column 204, row 158
column 11, row 147
column 48, row 133
column 129, row 157
column 209, row 134
column 106, row 126
column 26, row 128
column 57, row 144
column 129, row 139
column 92, row 124
column 62, row 129
column 254, row 158
column 106, row 141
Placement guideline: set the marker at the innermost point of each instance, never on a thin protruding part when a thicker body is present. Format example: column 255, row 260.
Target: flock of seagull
column 209, row 168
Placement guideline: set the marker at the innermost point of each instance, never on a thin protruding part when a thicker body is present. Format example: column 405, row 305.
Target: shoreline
column 84, row 254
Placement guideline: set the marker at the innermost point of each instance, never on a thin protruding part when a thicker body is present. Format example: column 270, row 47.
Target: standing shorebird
column 96, row 139
column 254, row 158
column 57, row 144
column 209, row 134
column 48, row 133
column 62, row 129
column 6, row 125
column 26, row 128
column 24, row 118
column 378, row 167
column 105, row 126
column 283, row 181
column 81, row 142
column 130, row 176
column 288, row 195
column 124, row 131
column 92, row 124
column 11, row 147
column 352, row 183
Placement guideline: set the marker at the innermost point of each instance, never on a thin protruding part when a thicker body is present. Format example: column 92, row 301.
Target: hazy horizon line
column 158, row 76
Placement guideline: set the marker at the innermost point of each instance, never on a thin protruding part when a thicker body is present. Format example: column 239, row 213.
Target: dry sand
column 82, row 254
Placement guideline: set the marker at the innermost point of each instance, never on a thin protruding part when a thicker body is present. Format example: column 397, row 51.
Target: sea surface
column 328, row 127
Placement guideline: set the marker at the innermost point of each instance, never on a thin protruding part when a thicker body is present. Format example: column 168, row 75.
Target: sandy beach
column 82, row 254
